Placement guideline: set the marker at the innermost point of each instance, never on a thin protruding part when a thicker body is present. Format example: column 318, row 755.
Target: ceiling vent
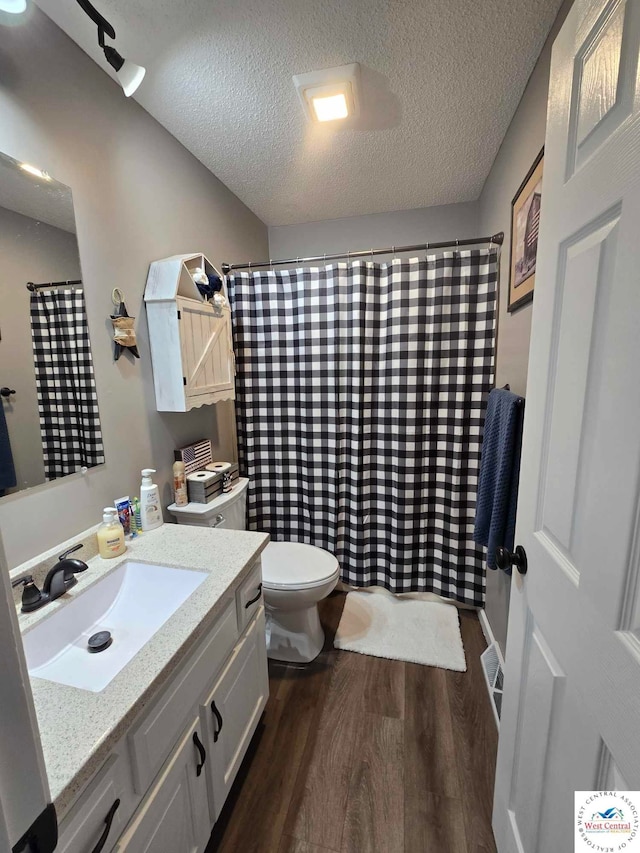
column 331, row 94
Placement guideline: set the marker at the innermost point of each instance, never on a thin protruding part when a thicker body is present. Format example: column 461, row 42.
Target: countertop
column 78, row 729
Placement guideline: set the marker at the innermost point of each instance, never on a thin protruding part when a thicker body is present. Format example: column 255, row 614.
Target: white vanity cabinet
column 191, row 344
column 172, row 771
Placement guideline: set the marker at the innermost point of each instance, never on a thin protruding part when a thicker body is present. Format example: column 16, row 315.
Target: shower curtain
column 361, row 391
column 67, row 399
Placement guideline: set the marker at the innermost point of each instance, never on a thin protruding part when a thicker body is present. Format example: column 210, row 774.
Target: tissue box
column 204, row 486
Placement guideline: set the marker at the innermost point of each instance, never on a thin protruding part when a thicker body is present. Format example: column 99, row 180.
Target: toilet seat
column 294, row 565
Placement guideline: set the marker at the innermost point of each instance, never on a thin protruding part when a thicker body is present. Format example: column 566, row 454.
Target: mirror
column 49, row 420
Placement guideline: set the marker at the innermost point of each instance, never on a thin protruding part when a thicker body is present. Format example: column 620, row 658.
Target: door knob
column 505, row 559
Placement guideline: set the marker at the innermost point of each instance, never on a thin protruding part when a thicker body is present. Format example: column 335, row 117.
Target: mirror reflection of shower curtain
column 360, row 398
column 67, row 399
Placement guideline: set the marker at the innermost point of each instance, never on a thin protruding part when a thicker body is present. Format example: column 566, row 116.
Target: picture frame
column 525, row 221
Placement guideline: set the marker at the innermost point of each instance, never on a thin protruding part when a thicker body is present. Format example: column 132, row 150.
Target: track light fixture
column 128, row 73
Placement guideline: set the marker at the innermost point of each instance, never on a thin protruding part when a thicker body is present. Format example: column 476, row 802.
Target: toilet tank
column 227, row 510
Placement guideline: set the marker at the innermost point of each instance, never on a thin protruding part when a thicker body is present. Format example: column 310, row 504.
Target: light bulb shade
column 128, row 73
column 13, row 7
column 130, row 76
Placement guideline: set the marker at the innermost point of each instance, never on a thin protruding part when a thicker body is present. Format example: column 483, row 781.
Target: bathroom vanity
column 146, row 762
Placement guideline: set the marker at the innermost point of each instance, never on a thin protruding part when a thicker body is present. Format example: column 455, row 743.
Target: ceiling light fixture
column 128, row 73
column 13, row 7
column 330, row 107
column 33, row 170
column 330, row 94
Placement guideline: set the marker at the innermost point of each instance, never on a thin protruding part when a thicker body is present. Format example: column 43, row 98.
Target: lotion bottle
column 110, row 534
column 149, row 501
column 180, row 484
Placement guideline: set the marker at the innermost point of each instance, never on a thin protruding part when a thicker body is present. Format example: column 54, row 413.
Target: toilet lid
column 294, row 565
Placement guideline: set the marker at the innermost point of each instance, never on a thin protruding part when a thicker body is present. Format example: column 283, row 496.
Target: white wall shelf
column 191, row 345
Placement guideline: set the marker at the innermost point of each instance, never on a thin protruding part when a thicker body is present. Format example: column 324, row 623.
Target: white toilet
column 295, row 577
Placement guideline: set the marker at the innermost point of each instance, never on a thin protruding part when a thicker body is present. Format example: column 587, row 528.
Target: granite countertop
column 78, row 728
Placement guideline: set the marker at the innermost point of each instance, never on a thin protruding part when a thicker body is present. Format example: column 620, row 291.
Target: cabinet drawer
column 249, row 597
column 152, row 740
column 96, row 817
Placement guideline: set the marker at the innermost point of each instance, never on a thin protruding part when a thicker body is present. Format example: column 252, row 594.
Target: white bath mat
column 385, row 626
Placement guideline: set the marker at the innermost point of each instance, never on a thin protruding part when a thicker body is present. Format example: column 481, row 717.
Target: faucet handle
column 70, row 551
column 31, row 595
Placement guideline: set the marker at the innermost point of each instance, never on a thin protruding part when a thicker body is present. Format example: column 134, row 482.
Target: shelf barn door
column 571, row 709
column 207, row 349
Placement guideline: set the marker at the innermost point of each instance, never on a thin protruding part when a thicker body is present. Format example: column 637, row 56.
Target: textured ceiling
column 441, row 80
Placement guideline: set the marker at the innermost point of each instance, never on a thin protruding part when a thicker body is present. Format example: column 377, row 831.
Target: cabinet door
column 155, row 736
column 175, row 814
column 232, row 710
column 207, row 349
column 101, row 812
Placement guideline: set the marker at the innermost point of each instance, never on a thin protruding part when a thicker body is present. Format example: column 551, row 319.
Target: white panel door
column 24, row 788
column 571, row 709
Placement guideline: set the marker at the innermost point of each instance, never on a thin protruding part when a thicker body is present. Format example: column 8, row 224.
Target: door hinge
column 179, row 316
column 184, row 380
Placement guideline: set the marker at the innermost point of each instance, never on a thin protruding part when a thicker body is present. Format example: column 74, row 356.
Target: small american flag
column 195, row 456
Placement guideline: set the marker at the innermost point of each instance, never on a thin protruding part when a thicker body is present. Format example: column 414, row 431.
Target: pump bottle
column 150, row 510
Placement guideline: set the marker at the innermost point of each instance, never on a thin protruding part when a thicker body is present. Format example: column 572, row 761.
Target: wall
column 490, row 214
column 29, row 251
column 138, row 195
column 521, row 144
column 378, row 230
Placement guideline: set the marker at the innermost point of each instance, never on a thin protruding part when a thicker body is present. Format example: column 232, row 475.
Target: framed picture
column 525, row 223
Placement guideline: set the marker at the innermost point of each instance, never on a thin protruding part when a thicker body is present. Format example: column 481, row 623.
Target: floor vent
column 493, row 669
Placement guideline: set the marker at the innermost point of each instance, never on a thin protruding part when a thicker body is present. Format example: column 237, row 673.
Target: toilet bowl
column 295, row 577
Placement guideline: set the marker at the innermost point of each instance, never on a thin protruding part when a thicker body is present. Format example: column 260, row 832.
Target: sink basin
column 132, row 603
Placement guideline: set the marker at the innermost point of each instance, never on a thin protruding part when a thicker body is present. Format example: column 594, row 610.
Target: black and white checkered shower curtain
column 67, row 400
column 361, row 392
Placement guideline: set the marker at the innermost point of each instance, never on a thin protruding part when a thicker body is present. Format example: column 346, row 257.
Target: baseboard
column 486, row 627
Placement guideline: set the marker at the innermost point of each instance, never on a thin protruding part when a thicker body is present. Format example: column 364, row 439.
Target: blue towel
column 499, row 473
column 7, row 470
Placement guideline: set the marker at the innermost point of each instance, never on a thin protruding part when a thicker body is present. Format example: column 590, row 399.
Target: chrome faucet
column 59, row 579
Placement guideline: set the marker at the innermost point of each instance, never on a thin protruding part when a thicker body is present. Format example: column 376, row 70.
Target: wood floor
column 363, row 755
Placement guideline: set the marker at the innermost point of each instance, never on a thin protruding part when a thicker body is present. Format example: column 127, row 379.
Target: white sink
column 133, row 603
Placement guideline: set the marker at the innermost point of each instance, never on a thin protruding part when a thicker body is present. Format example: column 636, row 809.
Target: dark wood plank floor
column 358, row 754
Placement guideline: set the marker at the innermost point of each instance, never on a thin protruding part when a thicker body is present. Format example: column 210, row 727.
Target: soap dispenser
column 111, row 535
column 149, row 501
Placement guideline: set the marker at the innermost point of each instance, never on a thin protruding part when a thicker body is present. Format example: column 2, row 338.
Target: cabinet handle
column 107, row 827
column 253, row 600
column 201, row 751
column 218, row 716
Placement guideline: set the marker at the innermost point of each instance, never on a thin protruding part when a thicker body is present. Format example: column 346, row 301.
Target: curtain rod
column 496, row 239
column 35, row 287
